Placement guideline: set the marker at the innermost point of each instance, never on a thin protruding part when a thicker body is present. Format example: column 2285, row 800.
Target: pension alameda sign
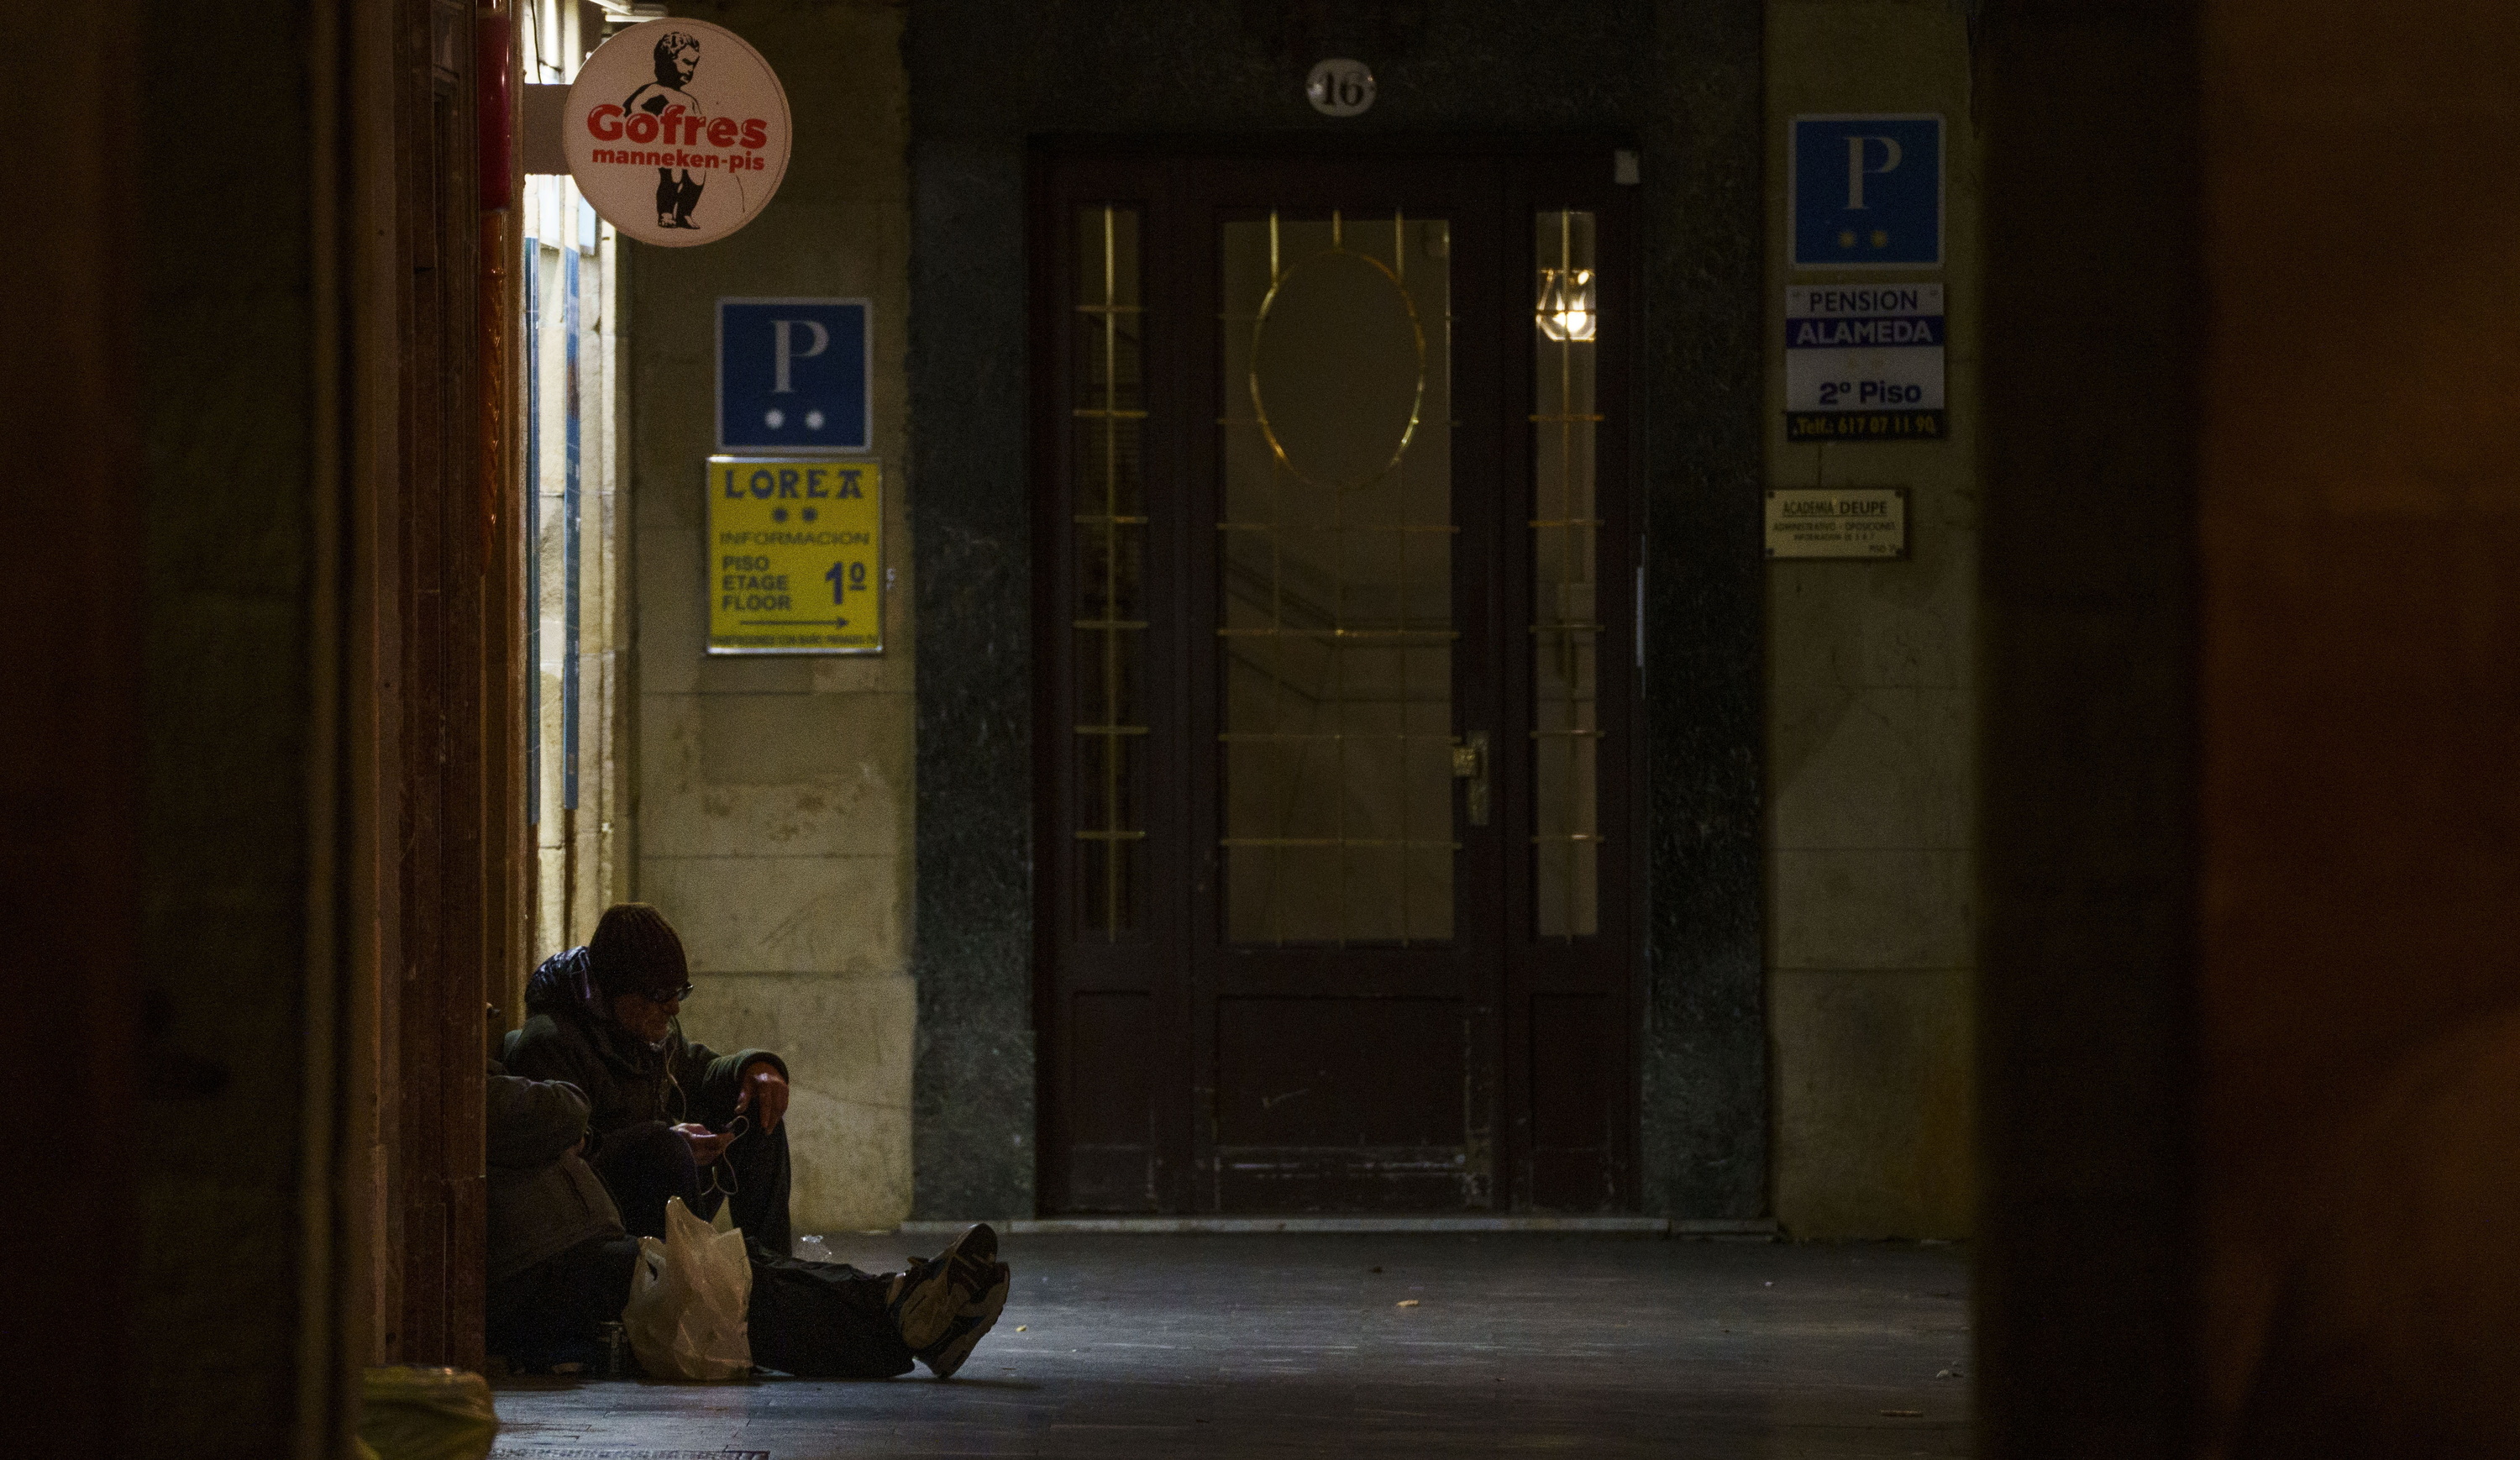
column 677, row 133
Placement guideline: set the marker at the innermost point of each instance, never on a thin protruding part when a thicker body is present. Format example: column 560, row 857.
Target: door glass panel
column 1566, row 629
column 1336, row 555
column 1110, row 618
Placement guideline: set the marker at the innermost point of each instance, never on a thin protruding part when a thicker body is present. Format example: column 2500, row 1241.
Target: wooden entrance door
column 1335, row 874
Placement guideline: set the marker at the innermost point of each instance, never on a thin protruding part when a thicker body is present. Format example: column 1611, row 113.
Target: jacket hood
column 565, row 983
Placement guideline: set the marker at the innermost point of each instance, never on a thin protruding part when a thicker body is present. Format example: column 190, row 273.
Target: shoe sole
column 970, row 1326
column 943, row 1288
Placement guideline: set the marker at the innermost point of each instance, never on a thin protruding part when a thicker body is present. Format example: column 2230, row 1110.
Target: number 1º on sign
column 846, row 578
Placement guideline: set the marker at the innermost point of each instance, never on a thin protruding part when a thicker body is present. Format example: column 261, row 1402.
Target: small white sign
column 1837, row 522
column 677, row 133
column 1863, row 362
column 1340, row 88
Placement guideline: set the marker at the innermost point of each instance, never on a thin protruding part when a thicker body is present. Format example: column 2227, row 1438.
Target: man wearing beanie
column 669, row 1117
column 561, row 1265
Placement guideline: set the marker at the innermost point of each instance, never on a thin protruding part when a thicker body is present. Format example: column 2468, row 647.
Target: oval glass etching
column 1339, row 369
column 1335, row 559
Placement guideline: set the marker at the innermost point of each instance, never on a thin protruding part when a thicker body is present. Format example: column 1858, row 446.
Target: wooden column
column 459, row 620
column 70, row 808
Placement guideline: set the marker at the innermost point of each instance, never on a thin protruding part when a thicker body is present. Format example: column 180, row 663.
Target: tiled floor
column 1226, row 1347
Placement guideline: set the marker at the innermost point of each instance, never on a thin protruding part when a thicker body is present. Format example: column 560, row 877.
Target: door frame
column 1180, row 923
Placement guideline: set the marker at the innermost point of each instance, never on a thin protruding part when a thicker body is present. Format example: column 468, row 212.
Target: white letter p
column 783, row 350
column 1855, row 168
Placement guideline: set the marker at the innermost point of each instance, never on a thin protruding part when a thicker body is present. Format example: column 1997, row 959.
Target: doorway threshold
column 1761, row 1230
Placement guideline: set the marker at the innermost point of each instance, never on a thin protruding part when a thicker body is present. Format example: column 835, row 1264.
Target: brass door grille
column 1110, row 413
column 1565, row 526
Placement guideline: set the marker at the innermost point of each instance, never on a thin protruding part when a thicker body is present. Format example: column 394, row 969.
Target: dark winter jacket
column 571, row 1036
column 544, row 1199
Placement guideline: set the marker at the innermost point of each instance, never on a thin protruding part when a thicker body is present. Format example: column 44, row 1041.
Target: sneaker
column 935, row 1293
column 963, row 1334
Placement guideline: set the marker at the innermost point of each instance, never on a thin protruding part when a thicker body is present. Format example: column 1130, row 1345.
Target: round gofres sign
column 677, row 133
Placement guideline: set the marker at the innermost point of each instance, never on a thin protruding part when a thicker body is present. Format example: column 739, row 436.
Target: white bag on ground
column 688, row 1298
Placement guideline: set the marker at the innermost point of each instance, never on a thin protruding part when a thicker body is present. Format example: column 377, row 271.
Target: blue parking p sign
column 1867, row 192
column 792, row 375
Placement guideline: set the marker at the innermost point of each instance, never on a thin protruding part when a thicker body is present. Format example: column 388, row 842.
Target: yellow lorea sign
column 795, row 560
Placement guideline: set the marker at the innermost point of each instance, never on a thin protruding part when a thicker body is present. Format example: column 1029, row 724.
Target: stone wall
column 1872, row 705
column 776, row 812
column 775, row 795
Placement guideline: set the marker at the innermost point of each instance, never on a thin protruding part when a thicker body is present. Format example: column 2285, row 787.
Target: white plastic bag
column 688, row 1298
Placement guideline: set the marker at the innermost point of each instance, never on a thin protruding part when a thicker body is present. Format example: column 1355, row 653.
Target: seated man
column 670, row 1117
column 560, row 1265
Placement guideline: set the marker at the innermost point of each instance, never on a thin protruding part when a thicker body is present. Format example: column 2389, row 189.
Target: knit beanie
column 635, row 950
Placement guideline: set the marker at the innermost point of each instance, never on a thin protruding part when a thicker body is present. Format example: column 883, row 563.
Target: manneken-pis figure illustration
column 677, row 59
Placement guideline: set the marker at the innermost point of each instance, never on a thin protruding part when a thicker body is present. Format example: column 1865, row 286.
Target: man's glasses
column 668, row 995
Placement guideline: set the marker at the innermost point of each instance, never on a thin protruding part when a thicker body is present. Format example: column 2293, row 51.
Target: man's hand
column 764, row 1090
column 707, row 1144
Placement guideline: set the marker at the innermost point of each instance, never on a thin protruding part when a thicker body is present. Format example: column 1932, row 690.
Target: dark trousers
column 823, row 1320
column 548, row 1313
column 816, row 1320
column 644, row 1164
